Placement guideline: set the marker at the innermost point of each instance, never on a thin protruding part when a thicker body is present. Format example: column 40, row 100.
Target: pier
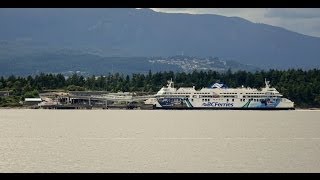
column 92, row 100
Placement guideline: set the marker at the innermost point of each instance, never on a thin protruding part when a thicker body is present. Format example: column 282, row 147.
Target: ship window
column 232, row 100
column 227, row 100
column 192, row 100
column 243, row 100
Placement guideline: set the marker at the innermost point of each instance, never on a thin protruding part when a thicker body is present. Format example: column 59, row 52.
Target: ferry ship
column 219, row 96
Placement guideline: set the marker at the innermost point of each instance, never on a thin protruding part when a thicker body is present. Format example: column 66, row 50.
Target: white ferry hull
column 216, row 108
column 185, row 103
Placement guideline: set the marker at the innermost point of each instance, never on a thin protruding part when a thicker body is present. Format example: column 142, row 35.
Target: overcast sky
column 302, row 20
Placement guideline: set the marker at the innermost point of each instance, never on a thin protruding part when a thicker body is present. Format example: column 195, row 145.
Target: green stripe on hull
column 188, row 103
column 246, row 105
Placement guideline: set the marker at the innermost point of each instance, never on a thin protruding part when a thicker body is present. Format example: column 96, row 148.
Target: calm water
column 159, row 141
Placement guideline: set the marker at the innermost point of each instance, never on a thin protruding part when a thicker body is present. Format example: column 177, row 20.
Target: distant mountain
column 115, row 32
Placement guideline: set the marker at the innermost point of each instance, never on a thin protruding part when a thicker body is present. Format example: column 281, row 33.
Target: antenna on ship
column 170, row 83
column 267, row 83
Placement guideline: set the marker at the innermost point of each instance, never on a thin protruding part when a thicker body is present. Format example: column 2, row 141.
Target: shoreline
column 311, row 109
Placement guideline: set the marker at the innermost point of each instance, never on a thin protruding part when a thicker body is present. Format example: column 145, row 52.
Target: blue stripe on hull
column 222, row 108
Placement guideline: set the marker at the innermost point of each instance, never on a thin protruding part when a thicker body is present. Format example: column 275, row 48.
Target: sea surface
column 159, row 141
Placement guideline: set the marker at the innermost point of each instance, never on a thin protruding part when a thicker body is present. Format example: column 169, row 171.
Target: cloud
column 302, row 20
column 299, row 13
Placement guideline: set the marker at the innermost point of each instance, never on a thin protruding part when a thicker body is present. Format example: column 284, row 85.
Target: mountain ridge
column 144, row 32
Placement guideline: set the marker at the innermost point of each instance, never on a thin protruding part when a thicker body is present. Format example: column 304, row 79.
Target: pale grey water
column 159, row 141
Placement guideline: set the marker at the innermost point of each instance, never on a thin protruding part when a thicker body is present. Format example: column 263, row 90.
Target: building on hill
column 4, row 93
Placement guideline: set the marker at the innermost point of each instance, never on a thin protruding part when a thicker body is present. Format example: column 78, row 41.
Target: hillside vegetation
column 302, row 87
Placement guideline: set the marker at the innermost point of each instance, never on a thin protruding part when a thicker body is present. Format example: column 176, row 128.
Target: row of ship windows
column 258, row 96
column 209, row 100
column 194, row 96
column 249, row 96
column 241, row 93
column 209, row 93
column 232, row 100
column 203, row 96
column 175, row 93
column 246, row 93
column 183, row 93
column 220, row 93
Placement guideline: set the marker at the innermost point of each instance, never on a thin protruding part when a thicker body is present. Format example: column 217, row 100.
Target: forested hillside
column 302, row 87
